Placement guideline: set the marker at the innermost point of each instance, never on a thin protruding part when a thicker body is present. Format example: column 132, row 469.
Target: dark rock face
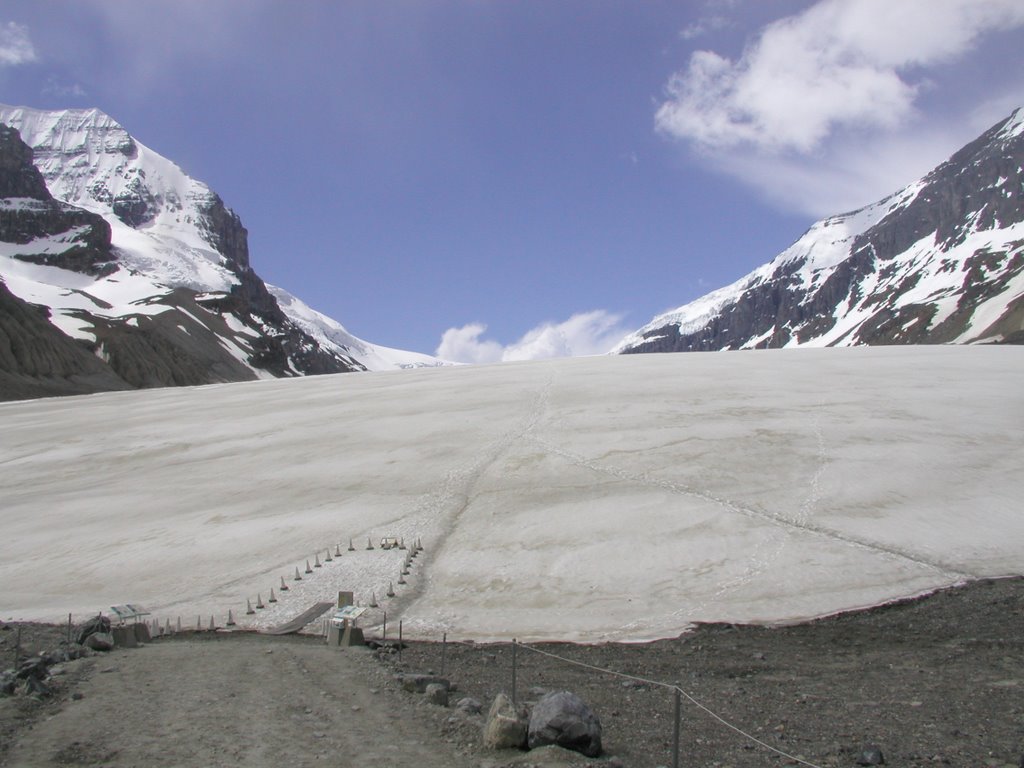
column 226, row 234
column 37, row 360
column 18, row 176
column 28, row 212
column 979, row 189
column 288, row 349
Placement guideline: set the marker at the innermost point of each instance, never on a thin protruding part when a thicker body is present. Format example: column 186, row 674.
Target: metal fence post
column 514, row 644
column 444, row 651
column 385, row 637
column 675, row 726
column 400, row 641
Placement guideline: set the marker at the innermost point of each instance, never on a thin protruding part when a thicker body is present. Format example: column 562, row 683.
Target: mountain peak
column 169, row 296
column 941, row 260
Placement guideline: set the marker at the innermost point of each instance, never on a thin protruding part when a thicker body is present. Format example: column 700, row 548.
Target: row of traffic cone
column 251, row 610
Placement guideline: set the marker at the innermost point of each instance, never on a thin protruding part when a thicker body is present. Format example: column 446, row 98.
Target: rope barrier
column 673, row 687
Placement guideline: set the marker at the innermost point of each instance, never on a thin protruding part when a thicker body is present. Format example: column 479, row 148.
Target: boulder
column 437, row 694
column 95, row 624
column 562, row 719
column 100, row 641
column 506, row 725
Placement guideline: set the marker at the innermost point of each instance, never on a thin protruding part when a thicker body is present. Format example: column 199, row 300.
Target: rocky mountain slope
column 117, row 270
column 940, row 261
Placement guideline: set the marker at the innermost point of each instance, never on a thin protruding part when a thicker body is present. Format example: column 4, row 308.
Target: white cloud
column 15, row 45
column 705, row 25
column 585, row 333
column 464, row 345
column 839, row 105
column 840, row 63
column 61, row 90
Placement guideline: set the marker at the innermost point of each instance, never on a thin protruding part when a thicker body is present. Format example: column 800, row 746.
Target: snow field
column 581, row 499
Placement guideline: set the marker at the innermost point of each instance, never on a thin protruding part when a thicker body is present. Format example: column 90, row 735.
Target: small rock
column 469, row 705
column 356, row 708
column 419, row 683
column 37, row 686
column 870, row 755
column 76, row 696
column 8, row 683
column 100, row 641
column 436, row 694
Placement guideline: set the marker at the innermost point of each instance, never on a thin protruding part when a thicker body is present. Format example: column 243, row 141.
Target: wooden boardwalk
column 311, row 614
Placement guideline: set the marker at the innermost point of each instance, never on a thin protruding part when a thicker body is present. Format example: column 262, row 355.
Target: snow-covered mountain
column 141, row 267
column 940, row 261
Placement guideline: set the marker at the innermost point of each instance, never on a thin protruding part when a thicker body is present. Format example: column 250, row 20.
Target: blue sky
column 525, row 178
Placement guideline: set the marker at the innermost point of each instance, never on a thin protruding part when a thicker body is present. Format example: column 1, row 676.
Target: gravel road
column 933, row 682
column 229, row 701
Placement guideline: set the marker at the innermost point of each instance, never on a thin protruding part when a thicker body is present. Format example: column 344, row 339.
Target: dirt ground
column 932, row 682
column 225, row 701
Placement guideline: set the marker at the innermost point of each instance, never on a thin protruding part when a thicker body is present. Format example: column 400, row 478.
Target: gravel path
column 933, row 682
column 230, row 701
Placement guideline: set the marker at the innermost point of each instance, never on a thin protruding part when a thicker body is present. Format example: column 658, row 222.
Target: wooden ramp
column 311, row 614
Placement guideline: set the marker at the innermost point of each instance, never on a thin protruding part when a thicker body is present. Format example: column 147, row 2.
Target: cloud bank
column 15, row 45
column 585, row 333
column 841, row 77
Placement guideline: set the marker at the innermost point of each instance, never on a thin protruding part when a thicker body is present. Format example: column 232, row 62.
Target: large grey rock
column 92, row 626
column 563, row 719
column 506, row 725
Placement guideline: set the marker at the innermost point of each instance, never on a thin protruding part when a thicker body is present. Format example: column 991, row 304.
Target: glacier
column 588, row 499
